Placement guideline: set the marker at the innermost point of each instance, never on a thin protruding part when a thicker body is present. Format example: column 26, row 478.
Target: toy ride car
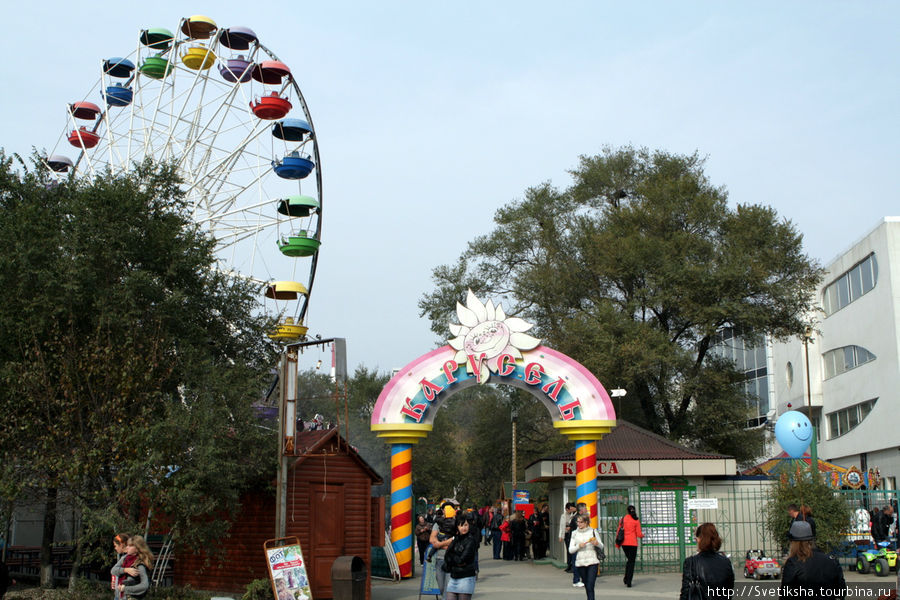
column 757, row 565
column 882, row 561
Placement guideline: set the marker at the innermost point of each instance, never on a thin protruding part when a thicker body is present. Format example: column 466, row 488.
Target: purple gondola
column 236, row 69
column 238, row 38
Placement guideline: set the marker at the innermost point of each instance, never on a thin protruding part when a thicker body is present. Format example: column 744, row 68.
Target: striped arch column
column 401, row 506
column 586, row 476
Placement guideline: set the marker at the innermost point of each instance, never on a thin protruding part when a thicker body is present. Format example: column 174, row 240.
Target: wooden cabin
column 330, row 509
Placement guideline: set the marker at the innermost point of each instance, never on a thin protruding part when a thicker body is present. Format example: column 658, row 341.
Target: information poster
column 429, row 584
column 287, row 571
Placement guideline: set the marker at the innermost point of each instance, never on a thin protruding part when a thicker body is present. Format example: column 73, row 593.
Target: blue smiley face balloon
column 794, row 432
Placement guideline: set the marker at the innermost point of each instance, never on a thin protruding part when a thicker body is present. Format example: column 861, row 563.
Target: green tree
column 635, row 270
column 128, row 362
column 830, row 509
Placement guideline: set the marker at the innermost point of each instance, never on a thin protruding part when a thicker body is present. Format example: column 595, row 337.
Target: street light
column 514, row 415
column 813, row 450
column 618, row 393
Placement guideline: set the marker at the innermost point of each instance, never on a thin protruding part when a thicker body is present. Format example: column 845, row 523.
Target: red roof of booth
column 630, row 442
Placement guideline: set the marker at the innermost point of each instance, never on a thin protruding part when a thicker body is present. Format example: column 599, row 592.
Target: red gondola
column 271, row 107
column 82, row 137
column 84, row 110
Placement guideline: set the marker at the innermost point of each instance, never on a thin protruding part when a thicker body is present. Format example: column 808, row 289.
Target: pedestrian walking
column 423, row 536
column 120, row 541
column 631, row 527
column 582, row 545
column 708, row 571
column 136, row 576
column 441, row 537
column 460, row 561
column 506, row 537
column 518, row 529
column 809, row 572
column 581, row 509
column 565, row 533
column 497, row 533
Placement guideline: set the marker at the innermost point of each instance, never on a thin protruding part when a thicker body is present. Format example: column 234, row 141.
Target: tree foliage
column 128, row 362
column 830, row 510
column 634, row 270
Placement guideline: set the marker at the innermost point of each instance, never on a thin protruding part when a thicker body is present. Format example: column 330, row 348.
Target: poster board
column 287, row 569
column 429, row 586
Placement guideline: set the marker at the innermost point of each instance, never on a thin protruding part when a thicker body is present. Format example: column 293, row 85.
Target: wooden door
column 327, row 533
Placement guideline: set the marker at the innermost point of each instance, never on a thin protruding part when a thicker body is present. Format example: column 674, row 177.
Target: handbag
column 620, row 532
column 695, row 591
column 600, row 550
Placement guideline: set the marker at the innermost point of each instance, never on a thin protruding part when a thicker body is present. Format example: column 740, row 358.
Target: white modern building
column 847, row 373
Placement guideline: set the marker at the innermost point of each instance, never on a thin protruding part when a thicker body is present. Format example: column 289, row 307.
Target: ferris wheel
column 230, row 115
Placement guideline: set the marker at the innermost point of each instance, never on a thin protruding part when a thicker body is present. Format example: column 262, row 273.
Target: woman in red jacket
column 506, row 538
column 631, row 526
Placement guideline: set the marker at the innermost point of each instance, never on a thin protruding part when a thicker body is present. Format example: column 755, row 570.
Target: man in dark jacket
column 809, row 572
column 496, row 521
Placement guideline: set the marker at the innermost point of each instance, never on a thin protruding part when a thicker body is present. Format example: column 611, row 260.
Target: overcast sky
column 431, row 115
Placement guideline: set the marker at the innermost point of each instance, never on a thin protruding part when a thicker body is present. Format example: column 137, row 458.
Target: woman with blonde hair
column 136, row 575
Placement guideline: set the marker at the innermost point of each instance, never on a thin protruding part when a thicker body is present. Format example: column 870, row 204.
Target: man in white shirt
column 564, row 533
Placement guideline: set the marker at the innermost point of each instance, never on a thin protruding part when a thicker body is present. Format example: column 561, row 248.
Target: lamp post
column 618, row 393
column 813, row 450
column 514, row 415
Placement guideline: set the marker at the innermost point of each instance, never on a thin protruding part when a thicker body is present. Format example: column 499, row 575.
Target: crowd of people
column 455, row 535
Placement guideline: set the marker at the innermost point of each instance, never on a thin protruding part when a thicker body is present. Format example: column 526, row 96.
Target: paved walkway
column 505, row 580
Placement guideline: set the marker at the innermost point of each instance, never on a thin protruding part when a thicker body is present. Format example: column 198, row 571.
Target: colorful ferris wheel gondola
column 238, row 38
column 81, row 136
column 290, row 328
column 198, row 27
column 299, row 210
column 237, row 69
column 118, row 67
column 157, row 38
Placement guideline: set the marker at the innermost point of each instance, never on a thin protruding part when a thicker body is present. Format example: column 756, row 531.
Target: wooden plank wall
column 245, row 560
column 244, row 556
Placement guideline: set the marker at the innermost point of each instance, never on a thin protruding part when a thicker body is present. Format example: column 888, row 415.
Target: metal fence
column 668, row 525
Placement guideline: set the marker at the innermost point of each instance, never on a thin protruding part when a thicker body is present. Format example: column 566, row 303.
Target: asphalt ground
column 507, row 580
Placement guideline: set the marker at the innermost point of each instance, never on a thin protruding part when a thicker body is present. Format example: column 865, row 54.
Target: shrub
column 829, row 509
column 258, row 589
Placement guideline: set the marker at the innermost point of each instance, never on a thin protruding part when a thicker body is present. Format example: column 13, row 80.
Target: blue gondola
column 118, row 67
column 293, row 166
column 291, row 130
column 118, row 95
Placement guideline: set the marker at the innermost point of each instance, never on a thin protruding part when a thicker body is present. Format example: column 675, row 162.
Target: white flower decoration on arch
column 486, row 333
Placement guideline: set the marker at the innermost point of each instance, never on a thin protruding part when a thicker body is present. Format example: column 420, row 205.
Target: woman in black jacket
column 809, row 572
column 708, row 571
column 460, row 561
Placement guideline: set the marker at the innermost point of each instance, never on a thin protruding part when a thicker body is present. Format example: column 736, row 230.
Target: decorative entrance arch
column 488, row 347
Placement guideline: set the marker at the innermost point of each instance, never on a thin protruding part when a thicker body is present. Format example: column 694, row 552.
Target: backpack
column 620, row 532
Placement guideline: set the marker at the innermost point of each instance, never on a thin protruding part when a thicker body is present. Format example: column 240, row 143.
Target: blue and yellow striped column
column 402, row 507
column 586, row 476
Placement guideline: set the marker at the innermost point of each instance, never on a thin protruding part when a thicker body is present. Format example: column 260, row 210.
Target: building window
column 749, row 356
column 843, row 359
column 851, row 285
column 844, row 420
